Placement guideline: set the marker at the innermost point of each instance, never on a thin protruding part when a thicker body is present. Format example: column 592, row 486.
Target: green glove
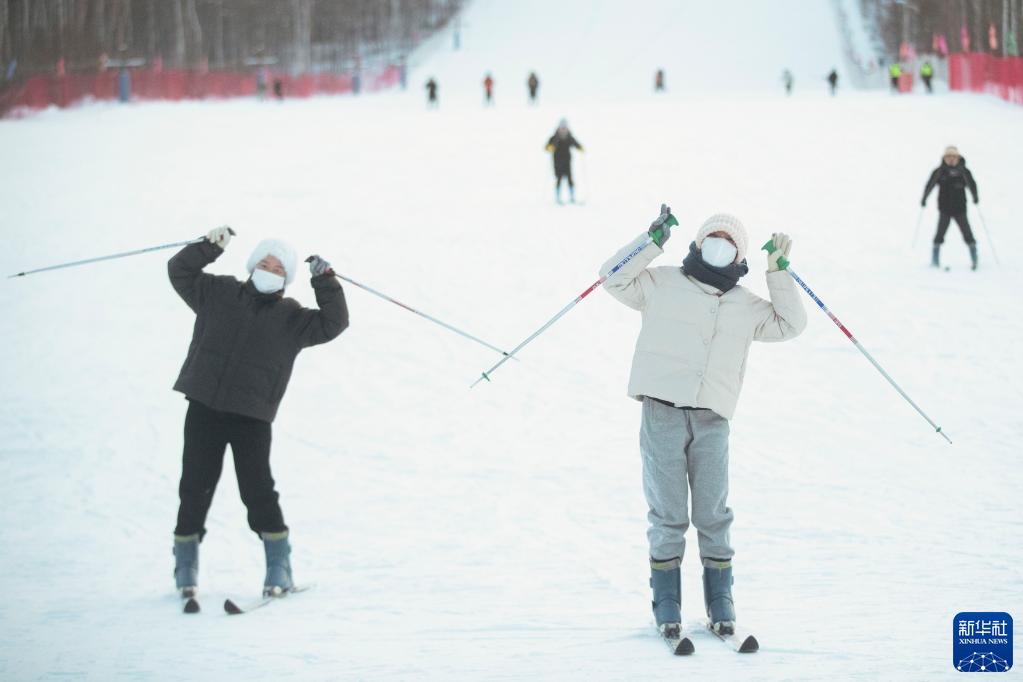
column 778, row 249
column 660, row 229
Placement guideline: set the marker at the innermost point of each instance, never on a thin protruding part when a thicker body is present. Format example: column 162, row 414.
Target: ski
column 677, row 640
column 188, row 598
column 234, row 609
column 740, row 640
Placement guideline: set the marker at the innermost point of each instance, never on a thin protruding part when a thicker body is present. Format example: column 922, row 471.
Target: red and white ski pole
column 423, row 315
column 671, row 221
column 784, row 265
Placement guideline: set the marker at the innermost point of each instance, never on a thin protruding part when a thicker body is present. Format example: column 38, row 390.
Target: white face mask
column 266, row 282
column 718, row 252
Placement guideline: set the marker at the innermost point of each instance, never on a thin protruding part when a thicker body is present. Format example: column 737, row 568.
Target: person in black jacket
column 431, row 94
column 560, row 145
column 952, row 178
column 244, row 343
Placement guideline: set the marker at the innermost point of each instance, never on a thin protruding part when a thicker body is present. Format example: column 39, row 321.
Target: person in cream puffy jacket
column 687, row 370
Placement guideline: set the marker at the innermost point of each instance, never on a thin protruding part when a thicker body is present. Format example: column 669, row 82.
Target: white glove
column 782, row 247
column 318, row 266
column 219, row 236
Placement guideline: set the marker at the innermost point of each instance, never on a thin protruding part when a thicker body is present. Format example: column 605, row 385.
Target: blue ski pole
column 784, row 265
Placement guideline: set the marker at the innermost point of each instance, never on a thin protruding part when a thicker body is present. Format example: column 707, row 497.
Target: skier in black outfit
column 833, row 81
column 561, row 144
column 952, row 178
column 533, row 84
column 431, row 94
column 244, row 344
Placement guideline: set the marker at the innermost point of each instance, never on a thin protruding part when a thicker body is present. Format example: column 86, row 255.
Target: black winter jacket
column 563, row 151
column 952, row 182
column 244, row 342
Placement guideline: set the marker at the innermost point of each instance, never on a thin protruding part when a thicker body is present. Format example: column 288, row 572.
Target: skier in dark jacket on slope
column 431, row 94
column 244, row 344
column 952, row 178
column 560, row 145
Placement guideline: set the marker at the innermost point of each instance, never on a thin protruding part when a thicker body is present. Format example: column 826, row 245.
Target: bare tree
column 297, row 35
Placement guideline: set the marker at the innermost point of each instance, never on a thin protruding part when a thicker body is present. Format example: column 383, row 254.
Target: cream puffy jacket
column 694, row 341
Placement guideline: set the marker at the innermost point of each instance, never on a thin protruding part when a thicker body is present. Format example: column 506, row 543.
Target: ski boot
column 557, row 195
column 666, row 581
column 973, row 256
column 717, row 595
column 934, row 256
column 571, row 194
column 186, row 564
column 278, row 566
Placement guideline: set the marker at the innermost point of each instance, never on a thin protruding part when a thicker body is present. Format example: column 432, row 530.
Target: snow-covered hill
column 588, row 50
column 498, row 533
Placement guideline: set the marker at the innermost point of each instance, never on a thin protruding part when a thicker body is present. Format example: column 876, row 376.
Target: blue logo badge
column 982, row 642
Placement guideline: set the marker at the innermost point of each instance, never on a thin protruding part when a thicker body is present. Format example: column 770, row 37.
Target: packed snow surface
column 498, row 533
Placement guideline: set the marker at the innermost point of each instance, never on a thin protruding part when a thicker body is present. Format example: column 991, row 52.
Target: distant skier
column 560, row 145
column 279, row 89
column 533, row 84
column 244, row 344
column 788, row 79
column 659, row 81
column 488, row 90
column 894, row 75
column 431, row 94
column 952, row 178
column 833, row 81
column 687, row 370
column 926, row 74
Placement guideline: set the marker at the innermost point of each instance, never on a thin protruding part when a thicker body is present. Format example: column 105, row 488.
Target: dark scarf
column 723, row 278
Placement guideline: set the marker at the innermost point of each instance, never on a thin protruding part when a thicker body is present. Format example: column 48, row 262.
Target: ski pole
column 784, row 265
column 990, row 243
column 486, row 375
column 112, row 256
column 421, row 314
column 916, row 232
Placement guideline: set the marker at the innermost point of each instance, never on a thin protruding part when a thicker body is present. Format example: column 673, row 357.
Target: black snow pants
column 208, row 432
column 563, row 171
column 961, row 220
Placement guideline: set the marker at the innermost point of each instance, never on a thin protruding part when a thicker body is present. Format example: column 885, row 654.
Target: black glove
column 923, row 202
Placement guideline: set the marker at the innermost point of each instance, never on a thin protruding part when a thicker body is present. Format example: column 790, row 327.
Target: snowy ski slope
column 611, row 49
column 499, row 533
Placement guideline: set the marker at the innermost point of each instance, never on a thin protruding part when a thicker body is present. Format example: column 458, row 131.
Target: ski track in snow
column 499, row 533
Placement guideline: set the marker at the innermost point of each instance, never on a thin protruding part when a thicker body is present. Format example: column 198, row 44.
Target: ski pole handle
column 657, row 234
column 783, row 262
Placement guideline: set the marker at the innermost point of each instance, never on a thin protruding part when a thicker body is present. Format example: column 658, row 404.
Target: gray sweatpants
column 676, row 444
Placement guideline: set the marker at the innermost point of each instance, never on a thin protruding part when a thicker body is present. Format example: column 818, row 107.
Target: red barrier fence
column 977, row 72
column 39, row 92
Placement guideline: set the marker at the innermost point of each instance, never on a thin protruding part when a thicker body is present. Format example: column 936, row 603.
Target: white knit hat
column 730, row 225
column 282, row 251
column 951, row 149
